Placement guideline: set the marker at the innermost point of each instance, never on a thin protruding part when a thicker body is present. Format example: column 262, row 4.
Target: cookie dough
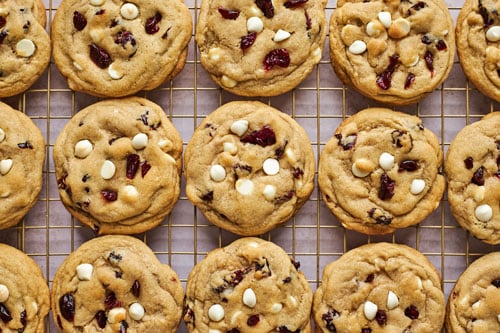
column 249, row 167
column 379, row 288
column 251, row 285
column 381, row 171
column 118, row 165
column 473, row 170
column 260, row 47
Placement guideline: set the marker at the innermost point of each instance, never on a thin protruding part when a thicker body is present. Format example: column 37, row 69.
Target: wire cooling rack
column 48, row 233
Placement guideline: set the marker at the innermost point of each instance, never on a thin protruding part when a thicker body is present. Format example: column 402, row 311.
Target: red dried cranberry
column 79, row 21
column 3, row 21
column 285, row 197
column 208, row 197
column 370, row 278
column 101, row 319
column 229, row 14
column 366, row 330
column 416, row 7
column 412, row 312
column 100, row 12
column 387, row 185
column 284, row 329
column 381, row 317
column 263, row 137
column 469, row 162
column 67, row 306
column 384, row 79
column 408, row 165
column 123, row 37
column 294, row 3
column 429, row 59
column 328, row 319
column 100, row 56
column 426, row 40
column 441, row 45
column 409, row 80
column 478, row 176
column 308, row 20
column 233, row 330
column 136, row 288
column 253, row 320
column 487, row 20
column 109, row 195
column 277, row 57
column 23, row 318
column 4, row 314
column 111, row 302
column 348, row 142
column 496, row 283
column 25, row 145
column 266, row 6
column 132, row 165
column 3, row 34
column 145, row 166
column 248, row 40
column 123, row 326
column 297, row 173
column 152, row 24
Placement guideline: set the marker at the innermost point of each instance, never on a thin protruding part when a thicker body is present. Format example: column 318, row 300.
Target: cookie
column 395, row 52
column 381, row 171
column 22, row 156
column 117, row 48
column 116, row 284
column 24, row 293
column 118, row 165
column 473, row 305
column 251, row 285
column 249, row 167
column 379, row 287
column 477, row 34
column 24, row 45
column 260, row 47
column 473, row 170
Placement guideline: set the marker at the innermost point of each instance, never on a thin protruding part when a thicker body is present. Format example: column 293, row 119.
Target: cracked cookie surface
column 118, row 165
column 256, row 169
column 379, row 287
column 395, row 52
column 248, row 286
column 473, row 170
column 381, row 171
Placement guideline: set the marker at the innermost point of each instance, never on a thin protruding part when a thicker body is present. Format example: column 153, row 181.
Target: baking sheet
column 48, row 233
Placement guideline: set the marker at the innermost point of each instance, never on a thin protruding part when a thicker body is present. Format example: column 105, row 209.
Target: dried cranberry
column 441, row 45
column 487, row 20
column 469, row 162
column 308, row 20
column 101, row 319
column 136, row 288
column 277, row 57
column 294, row 3
column 79, row 21
column 233, row 330
column 370, row 278
column 478, row 176
column 381, row 317
column 25, row 145
column 248, row 40
column 366, row 330
column 111, row 302
column 23, row 318
column 284, row 198
column 237, row 276
column 266, row 6
column 67, row 306
column 123, row 326
column 263, row 137
column 426, row 40
column 408, row 165
column 3, row 21
column 409, row 80
column 384, row 79
column 297, row 173
column 429, row 59
column 496, row 283
column 109, row 195
column 229, row 14
column 284, row 329
column 123, row 37
column 412, row 312
column 152, row 24
column 132, row 165
column 387, row 185
column 328, row 319
column 288, row 279
column 145, row 167
column 208, row 197
column 3, row 34
column 253, row 320
column 85, row 177
column 100, row 56
column 348, row 142
column 416, row 7
column 379, row 216
column 4, row 314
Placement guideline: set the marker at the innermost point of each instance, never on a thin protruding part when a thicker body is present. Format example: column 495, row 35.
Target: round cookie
column 473, row 170
column 116, row 284
column 477, row 34
column 22, row 156
column 255, row 171
column 117, row 48
column 24, row 45
column 251, row 285
column 473, row 305
column 118, row 165
column 24, row 293
column 381, row 171
column 379, row 287
column 260, row 47
column 395, row 52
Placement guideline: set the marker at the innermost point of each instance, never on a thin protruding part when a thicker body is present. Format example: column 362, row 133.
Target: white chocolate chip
column 415, row 61
column 214, row 53
column 140, row 141
column 316, row 54
column 129, row 193
column 476, row 305
column 293, row 301
column 374, row 28
column 84, row 272
column 4, row 11
column 419, row 283
column 230, row 148
column 2, row 135
column 239, row 127
column 385, row 18
column 269, row 192
column 244, row 186
column 357, row 47
column 227, row 82
column 77, row 66
column 4, row 293
column 211, row 330
column 271, row 166
column 97, row 2
column 113, row 73
column 5, row 166
column 483, row 213
column 281, row 35
column 255, row 24
column 493, row 34
column 170, row 158
column 386, row 161
column 108, row 169
column 290, row 155
column 217, row 173
column 249, row 298
column 358, row 173
column 417, row 186
column 234, row 317
column 163, row 143
column 35, row 307
column 498, row 318
column 479, row 193
column 25, row 48
column 216, row 312
column 399, row 28
column 136, row 311
column 129, row 11
column 83, row 148
column 276, row 307
column 116, row 315
column 392, row 300
column 370, row 310
column 253, row 245
column 97, row 35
